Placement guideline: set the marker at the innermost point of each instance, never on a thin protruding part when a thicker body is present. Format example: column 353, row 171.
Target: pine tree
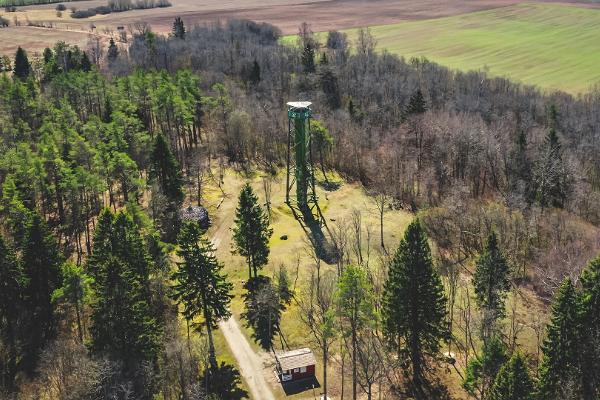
column 200, row 284
column 560, row 372
column 416, row 104
column 12, row 282
column 42, row 266
column 590, row 305
column 481, row 371
column 251, row 232
column 22, row 67
column 414, row 306
column 491, row 282
column 308, row 59
column 178, row 28
column 75, row 290
column 113, row 51
column 513, row 382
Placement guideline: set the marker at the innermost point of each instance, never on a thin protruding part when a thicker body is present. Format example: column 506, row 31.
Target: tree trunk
column 325, row 356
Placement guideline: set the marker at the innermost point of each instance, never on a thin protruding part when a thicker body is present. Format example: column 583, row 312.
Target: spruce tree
column 330, row 87
column 86, row 65
column 481, row 371
column 560, row 372
column 178, row 28
column 113, row 51
column 251, row 232
column 520, row 167
column 491, row 282
column 22, row 68
column 165, row 171
column 125, row 328
column 308, row 59
column 263, row 309
column 416, row 104
column 254, row 76
column 513, row 382
column 42, row 267
column 414, row 306
column 590, row 307
column 200, row 284
column 550, row 174
column 12, row 282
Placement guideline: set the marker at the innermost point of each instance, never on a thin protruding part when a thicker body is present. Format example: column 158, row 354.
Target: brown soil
column 321, row 14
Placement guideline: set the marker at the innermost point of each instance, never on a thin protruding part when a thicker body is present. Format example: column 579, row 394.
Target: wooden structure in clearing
column 295, row 365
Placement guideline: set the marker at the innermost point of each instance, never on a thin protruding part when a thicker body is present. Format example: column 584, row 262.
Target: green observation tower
column 301, row 194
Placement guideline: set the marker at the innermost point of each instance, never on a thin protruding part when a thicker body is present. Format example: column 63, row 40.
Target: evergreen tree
column 178, row 28
column 200, row 284
column 322, row 142
column 75, row 289
column 42, row 266
column 251, row 232
column 263, row 310
column 113, row 51
column 416, row 104
column 124, row 325
column 330, row 87
column 12, row 282
column 481, row 371
column 560, row 373
column 491, row 282
column 590, row 305
column 550, row 175
column 254, row 77
column 308, row 59
column 513, row 382
column 86, row 65
column 22, row 67
column 165, row 171
column 520, row 168
column 48, row 55
column 414, row 306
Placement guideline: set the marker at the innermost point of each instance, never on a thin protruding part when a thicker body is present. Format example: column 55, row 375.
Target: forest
column 106, row 293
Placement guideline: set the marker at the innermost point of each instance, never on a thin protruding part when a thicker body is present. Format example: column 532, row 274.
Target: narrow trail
column 250, row 363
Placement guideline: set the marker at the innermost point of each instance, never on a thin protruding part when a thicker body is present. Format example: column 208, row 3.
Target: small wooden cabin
column 295, row 365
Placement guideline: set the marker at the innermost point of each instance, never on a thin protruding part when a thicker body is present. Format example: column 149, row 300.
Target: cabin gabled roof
column 295, row 359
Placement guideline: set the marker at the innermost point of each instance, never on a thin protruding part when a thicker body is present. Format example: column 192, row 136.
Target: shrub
column 103, row 10
column 90, row 12
column 61, row 7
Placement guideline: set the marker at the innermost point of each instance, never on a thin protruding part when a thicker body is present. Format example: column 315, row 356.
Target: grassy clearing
column 294, row 254
column 551, row 46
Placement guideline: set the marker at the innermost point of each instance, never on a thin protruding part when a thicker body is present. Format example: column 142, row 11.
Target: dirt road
column 249, row 363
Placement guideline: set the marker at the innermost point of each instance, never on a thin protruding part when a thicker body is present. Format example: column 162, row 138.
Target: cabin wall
column 310, row 372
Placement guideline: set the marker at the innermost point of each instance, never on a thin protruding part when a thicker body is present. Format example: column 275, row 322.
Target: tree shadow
column 224, row 382
column 300, row 386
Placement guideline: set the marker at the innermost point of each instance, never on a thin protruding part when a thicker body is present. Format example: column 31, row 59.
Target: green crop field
column 551, row 46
